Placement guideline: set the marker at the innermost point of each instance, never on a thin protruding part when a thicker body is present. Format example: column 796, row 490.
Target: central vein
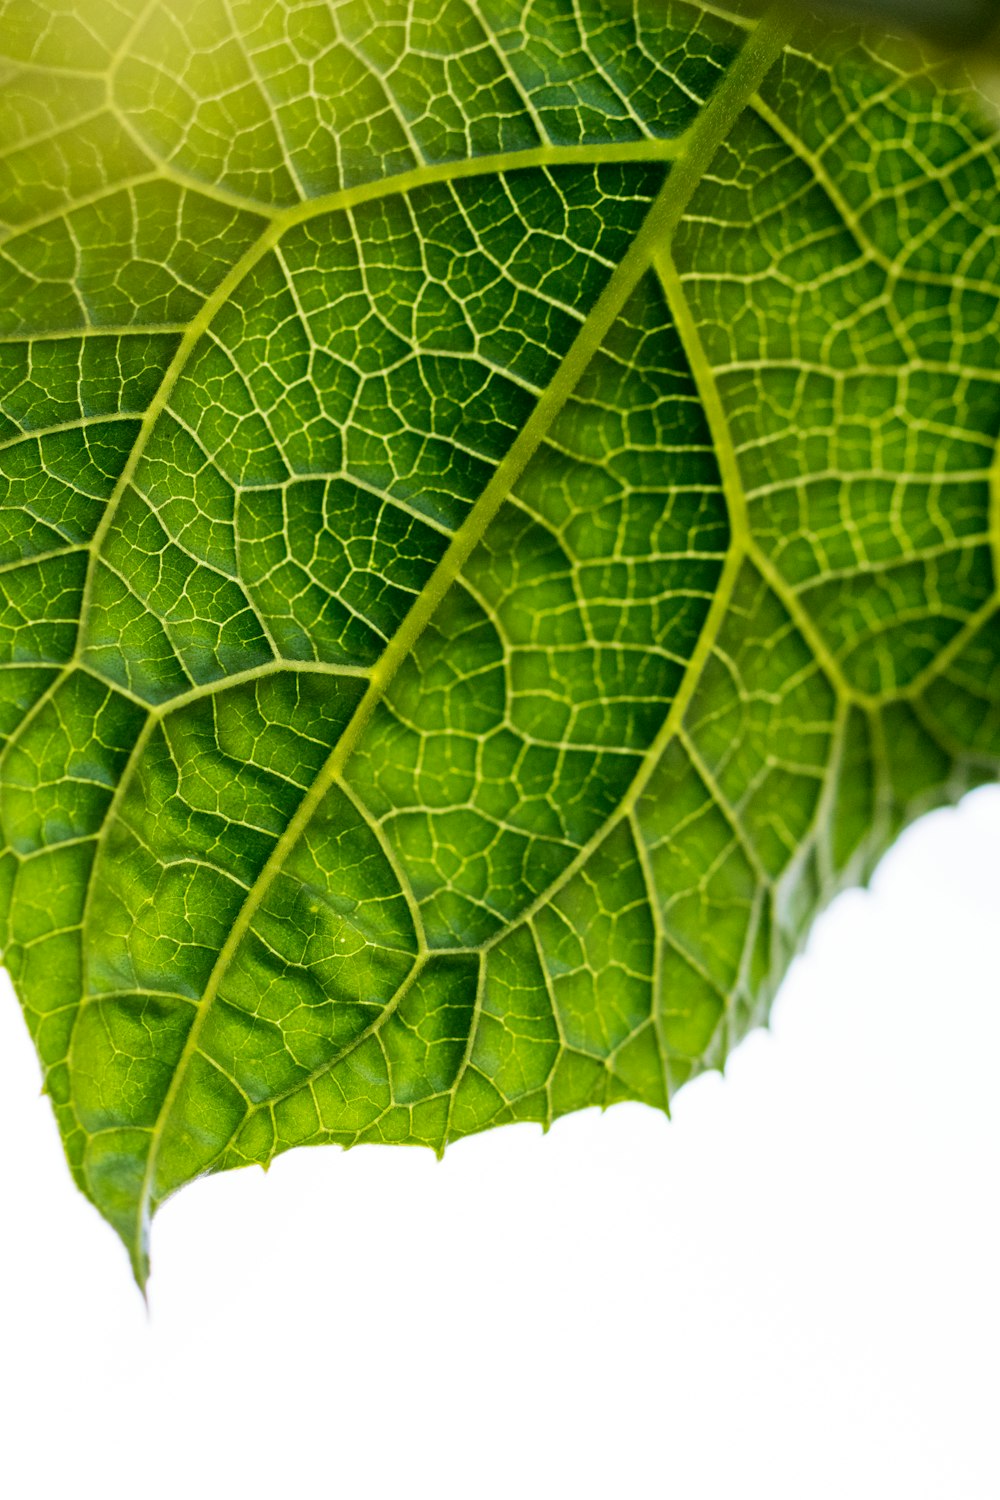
column 698, row 148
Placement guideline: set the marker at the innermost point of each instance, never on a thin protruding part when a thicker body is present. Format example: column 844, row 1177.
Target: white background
column 791, row 1292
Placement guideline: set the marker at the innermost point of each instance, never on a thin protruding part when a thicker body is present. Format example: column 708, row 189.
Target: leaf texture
column 500, row 521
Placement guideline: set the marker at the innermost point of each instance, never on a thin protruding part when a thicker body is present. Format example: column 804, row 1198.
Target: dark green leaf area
column 516, row 727
column 317, row 450
column 498, row 523
column 951, row 23
column 857, row 381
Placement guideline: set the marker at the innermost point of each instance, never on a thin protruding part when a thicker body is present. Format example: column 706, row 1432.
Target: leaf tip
column 135, row 1238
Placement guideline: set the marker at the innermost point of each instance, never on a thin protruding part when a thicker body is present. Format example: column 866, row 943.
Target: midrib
column 738, row 552
column 693, row 153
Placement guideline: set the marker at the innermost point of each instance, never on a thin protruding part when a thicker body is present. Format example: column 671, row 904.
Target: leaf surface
column 500, row 522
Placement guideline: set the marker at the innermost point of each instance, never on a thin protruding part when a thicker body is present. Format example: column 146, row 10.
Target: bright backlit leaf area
column 499, row 522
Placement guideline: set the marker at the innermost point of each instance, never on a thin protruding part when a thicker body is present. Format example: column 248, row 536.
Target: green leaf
column 500, row 523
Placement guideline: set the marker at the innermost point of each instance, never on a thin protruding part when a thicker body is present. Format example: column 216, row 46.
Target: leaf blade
column 589, row 787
